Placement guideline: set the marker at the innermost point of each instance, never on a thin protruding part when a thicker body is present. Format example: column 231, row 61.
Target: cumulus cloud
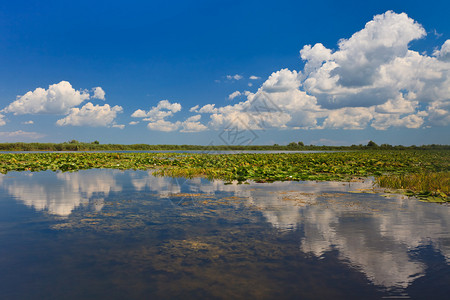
column 444, row 52
column 348, row 118
column 282, row 81
column 235, row 77
column 438, row 113
column 57, row 99
column 162, row 125
column 30, row 122
column 398, row 105
column 314, row 57
column 208, row 108
column 133, row 123
column 99, row 93
column 355, row 74
column 234, row 95
column 192, row 124
column 372, row 79
column 384, row 121
column 162, row 110
column 91, row 115
column 278, row 103
column 157, row 115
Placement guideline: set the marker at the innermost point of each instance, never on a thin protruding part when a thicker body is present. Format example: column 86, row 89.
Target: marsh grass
column 426, row 186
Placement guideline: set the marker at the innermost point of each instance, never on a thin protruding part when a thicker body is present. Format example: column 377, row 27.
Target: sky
column 225, row 72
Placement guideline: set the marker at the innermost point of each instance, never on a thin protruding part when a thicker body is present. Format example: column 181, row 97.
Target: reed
column 423, row 185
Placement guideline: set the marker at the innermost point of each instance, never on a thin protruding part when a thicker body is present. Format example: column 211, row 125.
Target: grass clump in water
column 432, row 187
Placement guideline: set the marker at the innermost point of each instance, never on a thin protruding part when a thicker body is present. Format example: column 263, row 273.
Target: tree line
column 75, row 145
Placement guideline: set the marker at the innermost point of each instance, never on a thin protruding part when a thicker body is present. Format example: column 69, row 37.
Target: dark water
column 109, row 234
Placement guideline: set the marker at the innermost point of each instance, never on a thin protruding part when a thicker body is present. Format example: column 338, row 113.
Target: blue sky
column 225, row 72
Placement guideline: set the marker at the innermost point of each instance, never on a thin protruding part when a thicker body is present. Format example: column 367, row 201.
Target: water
column 110, row 234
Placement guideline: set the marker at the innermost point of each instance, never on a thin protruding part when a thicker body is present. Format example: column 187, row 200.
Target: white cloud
column 348, row 118
column 234, row 95
column 91, row 115
column 444, row 52
column 57, row 99
column 162, row 110
column 418, row 77
column 21, row 134
column 133, row 123
column 30, row 122
column 384, row 121
column 139, row 114
column 99, row 93
column 278, row 103
column 162, row 125
column 194, row 118
column 438, row 113
column 353, row 75
column 397, row 106
column 120, row 126
column 194, row 108
column 235, row 77
column 192, row 124
column 208, row 108
column 282, row 81
column 157, row 115
column 314, row 56
column 372, row 79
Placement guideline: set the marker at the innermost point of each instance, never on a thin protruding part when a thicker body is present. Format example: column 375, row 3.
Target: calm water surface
column 110, row 234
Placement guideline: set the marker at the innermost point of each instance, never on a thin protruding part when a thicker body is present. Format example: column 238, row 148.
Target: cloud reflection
column 60, row 193
column 371, row 233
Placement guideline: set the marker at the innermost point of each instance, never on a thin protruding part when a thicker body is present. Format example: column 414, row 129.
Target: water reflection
column 61, row 193
column 371, row 233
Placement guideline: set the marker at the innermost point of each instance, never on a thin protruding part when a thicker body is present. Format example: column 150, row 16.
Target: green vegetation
column 420, row 172
column 75, row 145
column 431, row 187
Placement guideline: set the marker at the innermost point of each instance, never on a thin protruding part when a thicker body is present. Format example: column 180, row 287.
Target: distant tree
column 372, row 144
column 292, row 145
column 74, row 142
column 300, row 144
column 95, row 142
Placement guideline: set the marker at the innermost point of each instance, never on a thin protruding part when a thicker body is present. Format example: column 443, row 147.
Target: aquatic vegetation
column 430, row 187
column 257, row 167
